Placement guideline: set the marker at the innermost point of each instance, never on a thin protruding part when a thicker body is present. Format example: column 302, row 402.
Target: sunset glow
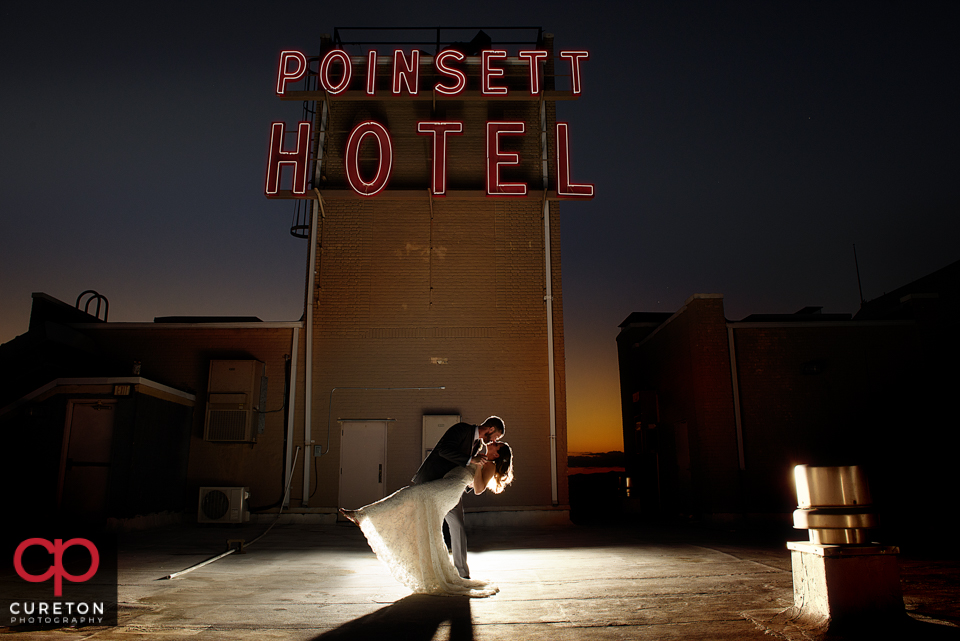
column 593, row 406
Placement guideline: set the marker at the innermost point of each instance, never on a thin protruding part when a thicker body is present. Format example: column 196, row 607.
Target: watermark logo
column 56, row 548
column 60, row 577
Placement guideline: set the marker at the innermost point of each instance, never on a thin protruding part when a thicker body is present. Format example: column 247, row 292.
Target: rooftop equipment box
column 235, row 399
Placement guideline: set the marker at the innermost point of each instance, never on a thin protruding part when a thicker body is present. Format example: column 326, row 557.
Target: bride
column 405, row 528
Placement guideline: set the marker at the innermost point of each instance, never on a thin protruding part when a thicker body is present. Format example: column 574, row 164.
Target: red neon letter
column 341, row 55
column 299, row 158
column 487, row 72
column 575, row 57
column 285, row 74
column 565, row 188
column 405, row 71
column 384, row 159
column 534, row 56
column 496, row 158
column 440, row 150
column 441, row 63
column 371, row 73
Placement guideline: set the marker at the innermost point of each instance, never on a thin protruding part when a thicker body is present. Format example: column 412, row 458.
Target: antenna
column 857, row 265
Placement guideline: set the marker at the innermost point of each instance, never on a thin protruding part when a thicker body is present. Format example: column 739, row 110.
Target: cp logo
column 56, row 570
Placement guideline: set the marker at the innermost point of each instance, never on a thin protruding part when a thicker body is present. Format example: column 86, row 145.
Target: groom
column 455, row 448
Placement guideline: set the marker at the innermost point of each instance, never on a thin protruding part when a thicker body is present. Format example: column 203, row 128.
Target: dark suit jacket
column 452, row 450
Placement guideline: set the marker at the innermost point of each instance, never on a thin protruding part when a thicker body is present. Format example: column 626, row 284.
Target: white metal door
column 363, row 446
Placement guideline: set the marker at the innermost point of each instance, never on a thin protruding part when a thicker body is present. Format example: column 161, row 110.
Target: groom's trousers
column 458, row 539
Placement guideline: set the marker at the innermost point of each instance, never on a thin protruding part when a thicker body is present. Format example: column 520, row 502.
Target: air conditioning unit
column 236, row 394
column 223, row 505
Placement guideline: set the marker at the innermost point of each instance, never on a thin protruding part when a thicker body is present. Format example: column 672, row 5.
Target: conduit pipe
column 291, row 410
column 286, row 494
column 548, row 298
column 308, row 354
column 198, row 565
column 311, row 288
column 550, row 366
column 366, row 389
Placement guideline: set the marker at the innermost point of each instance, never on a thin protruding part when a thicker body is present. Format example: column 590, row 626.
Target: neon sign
column 439, row 130
column 335, row 75
column 287, row 75
column 497, row 158
column 489, row 72
column 380, row 134
column 533, row 57
column 299, row 158
column 451, row 72
column 328, row 60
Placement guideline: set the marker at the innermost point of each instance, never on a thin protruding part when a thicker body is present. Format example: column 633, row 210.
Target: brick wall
column 401, row 288
column 180, row 357
column 715, row 457
column 869, row 393
column 821, row 395
column 693, row 448
column 405, row 281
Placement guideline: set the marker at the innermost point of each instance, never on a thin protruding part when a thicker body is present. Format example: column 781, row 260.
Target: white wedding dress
column 405, row 531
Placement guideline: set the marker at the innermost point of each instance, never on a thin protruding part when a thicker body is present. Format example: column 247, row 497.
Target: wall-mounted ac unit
column 223, row 505
column 236, row 392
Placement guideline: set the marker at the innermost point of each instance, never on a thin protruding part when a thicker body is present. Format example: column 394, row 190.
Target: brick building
column 107, row 420
column 716, row 413
column 426, row 301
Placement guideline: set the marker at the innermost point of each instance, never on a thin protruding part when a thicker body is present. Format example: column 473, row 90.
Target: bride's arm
column 481, row 478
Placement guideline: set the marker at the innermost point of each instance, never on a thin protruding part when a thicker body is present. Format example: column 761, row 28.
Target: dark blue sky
column 737, row 148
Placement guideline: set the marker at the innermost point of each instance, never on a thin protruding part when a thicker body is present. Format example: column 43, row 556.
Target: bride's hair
column 502, row 470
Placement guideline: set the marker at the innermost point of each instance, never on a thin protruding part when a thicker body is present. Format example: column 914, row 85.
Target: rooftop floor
column 560, row 583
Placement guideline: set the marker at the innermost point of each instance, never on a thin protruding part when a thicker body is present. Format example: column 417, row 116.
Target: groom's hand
column 479, row 459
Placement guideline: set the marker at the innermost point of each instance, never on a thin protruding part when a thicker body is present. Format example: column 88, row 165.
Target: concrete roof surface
column 304, row 582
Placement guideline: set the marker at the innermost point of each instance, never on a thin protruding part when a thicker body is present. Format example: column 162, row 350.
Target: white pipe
column 311, row 287
column 198, row 565
column 291, row 407
column 549, row 300
column 553, row 399
column 286, row 495
column 308, row 354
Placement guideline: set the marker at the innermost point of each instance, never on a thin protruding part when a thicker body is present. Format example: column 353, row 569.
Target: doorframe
column 65, row 443
column 384, row 422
